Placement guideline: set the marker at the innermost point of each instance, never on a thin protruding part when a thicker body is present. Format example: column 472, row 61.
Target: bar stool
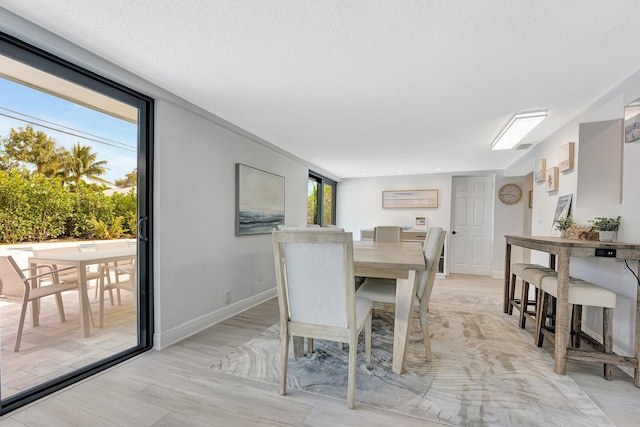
column 532, row 276
column 518, row 270
column 580, row 293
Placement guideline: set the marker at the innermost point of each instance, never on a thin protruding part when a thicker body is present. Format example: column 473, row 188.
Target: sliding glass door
column 75, row 173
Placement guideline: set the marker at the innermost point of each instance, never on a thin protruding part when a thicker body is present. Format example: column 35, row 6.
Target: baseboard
column 497, row 274
column 180, row 332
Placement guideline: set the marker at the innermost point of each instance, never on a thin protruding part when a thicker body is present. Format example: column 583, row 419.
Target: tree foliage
column 130, row 180
column 30, row 146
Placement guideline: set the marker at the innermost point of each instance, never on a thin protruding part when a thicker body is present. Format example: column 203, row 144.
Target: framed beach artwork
column 259, row 200
column 551, row 183
column 565, row 157
column 540, row 170
column 410, row 199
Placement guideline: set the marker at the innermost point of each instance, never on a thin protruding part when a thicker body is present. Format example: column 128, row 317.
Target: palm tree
column 81, row 163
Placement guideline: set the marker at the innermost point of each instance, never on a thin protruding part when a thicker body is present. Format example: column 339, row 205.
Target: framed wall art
column 259, row 200
column 565, row 157
column 410, row 199
column 540, row 170
column 632, row 121
column 552, row 179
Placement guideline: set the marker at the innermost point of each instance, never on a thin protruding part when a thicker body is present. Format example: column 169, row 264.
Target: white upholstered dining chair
column 383, row 291
column 316, row 295
column 15, row 286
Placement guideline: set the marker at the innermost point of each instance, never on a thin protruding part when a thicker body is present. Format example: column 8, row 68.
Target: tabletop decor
column 259, row 200
column 606, row 227
column 563, row 224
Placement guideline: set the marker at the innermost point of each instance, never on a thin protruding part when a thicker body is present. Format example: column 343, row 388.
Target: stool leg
column 576, row 326
column 524, row 303
column 607, row 338
column 512, row 292
column 541, row 316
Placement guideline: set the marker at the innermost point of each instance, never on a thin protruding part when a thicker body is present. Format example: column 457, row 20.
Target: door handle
column 453, row 232
column 140, row 221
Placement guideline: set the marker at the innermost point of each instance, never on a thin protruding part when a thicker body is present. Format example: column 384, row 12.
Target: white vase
column 607, row 236
column 563, row 233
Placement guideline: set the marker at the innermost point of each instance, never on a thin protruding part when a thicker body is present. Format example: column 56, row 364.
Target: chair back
column 105, row 245
column 44, row 250
column 12, row 281
column 387, row 234
column 314, row 274
column 433, row 244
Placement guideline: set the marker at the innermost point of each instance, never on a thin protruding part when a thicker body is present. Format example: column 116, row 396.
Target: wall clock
column 510, row 194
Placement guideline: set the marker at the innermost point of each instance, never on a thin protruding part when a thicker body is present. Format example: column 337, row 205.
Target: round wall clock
column 510, row 194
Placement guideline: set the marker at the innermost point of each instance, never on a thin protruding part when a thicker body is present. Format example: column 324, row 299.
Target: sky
column 112, row 139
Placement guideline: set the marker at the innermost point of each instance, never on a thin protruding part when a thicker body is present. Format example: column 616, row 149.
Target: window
column 45, row 87
column 321, row 200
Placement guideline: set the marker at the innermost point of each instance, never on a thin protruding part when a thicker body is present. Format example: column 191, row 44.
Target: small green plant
column 605, row 224
column 103, row 231
column 563, row 223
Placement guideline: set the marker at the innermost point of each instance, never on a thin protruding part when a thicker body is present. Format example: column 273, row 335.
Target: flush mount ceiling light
column 517, row 128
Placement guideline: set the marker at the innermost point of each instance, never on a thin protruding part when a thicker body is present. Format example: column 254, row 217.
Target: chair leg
column 309, row 346
column 351, row 379
column 426, row 337
column 60, row 306
column 23, row 315
column 607, row 339
column 367, row 339
column 284, row 357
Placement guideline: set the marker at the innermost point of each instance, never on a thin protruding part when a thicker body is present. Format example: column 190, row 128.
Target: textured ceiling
column 366, row 87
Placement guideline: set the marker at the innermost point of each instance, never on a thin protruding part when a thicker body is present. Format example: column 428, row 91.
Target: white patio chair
column 127, row 280
column 15, row 286
column 316, row 295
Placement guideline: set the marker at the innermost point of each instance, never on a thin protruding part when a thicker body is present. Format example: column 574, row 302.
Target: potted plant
column 606, row 227
column 563, row 223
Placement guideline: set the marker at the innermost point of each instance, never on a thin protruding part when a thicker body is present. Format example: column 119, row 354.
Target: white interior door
column 471, row 225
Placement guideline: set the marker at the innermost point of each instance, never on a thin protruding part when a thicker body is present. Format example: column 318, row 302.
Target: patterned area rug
column 486, row 371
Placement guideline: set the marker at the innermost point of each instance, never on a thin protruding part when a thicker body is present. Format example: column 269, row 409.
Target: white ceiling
column 366, row 87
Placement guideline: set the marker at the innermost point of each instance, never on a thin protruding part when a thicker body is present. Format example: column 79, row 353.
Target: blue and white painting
column 260, row 200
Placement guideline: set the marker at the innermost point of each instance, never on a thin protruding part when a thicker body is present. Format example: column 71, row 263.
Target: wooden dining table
column 81, row 260
column 401, row 261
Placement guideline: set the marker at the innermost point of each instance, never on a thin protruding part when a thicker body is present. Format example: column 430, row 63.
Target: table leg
column 83, row 298
column 563, row 314
column 507, row 278
column 405, row 294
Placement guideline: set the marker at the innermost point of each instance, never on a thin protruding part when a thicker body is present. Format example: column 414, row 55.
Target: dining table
column 561, row 250
column 402, row 261
column 82, row 260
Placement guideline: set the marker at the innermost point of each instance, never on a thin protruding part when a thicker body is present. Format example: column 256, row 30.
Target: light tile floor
column 173, row 387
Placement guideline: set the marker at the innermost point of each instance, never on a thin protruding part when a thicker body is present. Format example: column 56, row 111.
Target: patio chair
column 105, row 245
column 316, row 295
column 129, row 283
column 15, row 286
column 70, row 275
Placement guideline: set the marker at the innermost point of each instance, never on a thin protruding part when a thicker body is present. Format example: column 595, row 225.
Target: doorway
column 471, row 224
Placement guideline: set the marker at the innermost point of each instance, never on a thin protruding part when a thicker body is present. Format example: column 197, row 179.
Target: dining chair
column 15, row 286
column 387, row 233
column 316, row 295
column 126, row 278
column 383, row 291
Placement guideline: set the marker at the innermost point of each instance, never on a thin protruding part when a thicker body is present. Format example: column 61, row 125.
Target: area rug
column 485, row 370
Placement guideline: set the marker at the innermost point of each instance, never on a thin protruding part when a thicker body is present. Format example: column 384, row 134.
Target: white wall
column 359, row 206
column 606, row 273
column 196, row 253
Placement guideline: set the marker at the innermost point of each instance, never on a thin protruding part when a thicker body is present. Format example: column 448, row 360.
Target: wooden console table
column 564, row 249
